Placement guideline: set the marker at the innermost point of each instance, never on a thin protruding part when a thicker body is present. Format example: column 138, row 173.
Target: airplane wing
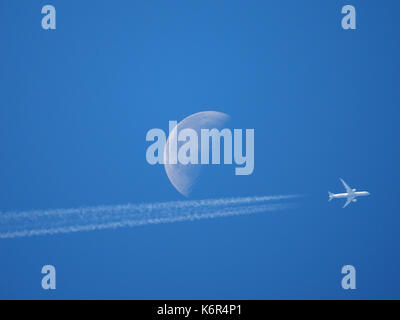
column 349, row 199
column 348, row 189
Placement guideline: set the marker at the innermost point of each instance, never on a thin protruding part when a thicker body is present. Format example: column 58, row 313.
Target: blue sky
column 76, row 104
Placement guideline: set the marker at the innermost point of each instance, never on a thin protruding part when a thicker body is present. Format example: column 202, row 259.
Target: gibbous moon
column 184, row 177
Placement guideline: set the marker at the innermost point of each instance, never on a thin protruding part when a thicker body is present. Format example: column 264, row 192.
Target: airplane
column 350, row 194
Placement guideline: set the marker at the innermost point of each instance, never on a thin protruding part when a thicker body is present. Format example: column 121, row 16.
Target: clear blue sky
column 76, row 104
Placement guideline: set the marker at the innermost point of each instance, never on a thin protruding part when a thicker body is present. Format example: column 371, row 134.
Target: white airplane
column 350, row 194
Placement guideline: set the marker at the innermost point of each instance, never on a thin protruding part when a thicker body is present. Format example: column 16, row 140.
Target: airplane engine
column 354, row 200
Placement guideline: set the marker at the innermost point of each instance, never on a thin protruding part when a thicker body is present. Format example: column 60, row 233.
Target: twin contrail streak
column 55, row 221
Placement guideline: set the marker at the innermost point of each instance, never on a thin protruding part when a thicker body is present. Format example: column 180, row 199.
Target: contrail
column 55, row 221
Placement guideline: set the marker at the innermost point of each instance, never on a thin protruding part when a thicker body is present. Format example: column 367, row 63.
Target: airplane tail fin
column 330, row 195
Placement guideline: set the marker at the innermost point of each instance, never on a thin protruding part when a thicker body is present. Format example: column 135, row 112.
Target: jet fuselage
column 346, row 195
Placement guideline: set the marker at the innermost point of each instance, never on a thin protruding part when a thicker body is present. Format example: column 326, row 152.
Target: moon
column 184, row 177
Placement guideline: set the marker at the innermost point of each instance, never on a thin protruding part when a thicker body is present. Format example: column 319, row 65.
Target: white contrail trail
column 45, row 222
